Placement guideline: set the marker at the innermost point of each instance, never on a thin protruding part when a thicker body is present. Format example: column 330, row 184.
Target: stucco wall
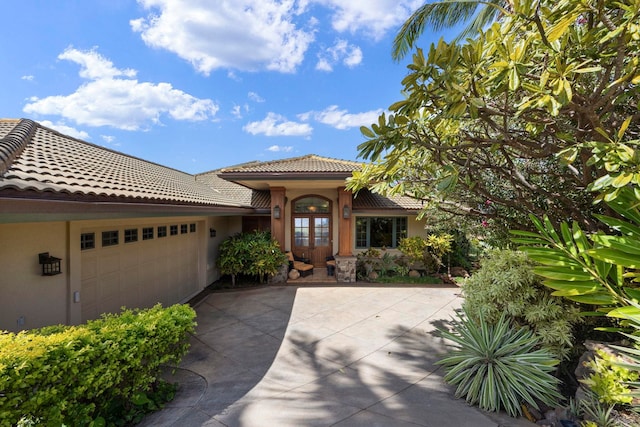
column 225, row 227
column 24, row 293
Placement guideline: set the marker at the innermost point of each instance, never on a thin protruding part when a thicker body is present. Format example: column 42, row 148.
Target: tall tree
column 504, row 124
column 447, row 14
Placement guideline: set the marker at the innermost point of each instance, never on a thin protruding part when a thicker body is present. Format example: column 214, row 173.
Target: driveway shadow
column 321, row 356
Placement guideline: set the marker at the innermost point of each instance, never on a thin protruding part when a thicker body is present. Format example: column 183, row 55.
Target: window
column 301, row 231
column 87, row 241
column 311, row 205
column 183, row 229
column 378, row 232
column 192, row 228
column 147, row 233
column 173, row 230
column 131, row 235
column 110, row 238
column 162, row 231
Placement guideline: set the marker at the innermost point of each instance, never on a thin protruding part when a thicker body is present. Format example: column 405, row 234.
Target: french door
column 312, row 237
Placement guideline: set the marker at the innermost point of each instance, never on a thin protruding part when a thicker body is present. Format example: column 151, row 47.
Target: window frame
column 110, row 238
column 399, row 230
column 86, row 243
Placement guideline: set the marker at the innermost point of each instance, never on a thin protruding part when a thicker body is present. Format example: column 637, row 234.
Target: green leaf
column 594, row 299
column 616, row 257
column 560, row 27
column 563, row 273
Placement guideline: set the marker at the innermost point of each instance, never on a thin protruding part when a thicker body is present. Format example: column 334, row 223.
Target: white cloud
column 373, row 17
column 280, row 149
column 239, row 34
column 277, row 125
column 27, row 78
column 93, row 65
column 65, row 130
column 255, row 97
column 341, row 119
column 112, row 98
column 349, row 54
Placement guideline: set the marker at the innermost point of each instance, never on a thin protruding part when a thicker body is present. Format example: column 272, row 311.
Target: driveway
column 302, row 356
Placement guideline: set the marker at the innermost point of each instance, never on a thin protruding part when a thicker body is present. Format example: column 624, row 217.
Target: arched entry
column 311, row 229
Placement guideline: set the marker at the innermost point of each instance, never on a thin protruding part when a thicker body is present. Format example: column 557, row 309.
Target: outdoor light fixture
column 276, row 211
column 50, row 264
column 346, row 212
column 212, row 232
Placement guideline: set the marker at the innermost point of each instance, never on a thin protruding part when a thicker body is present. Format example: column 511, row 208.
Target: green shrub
column 77, row 374
column 253, row 254
column 496, row 366
column 505, row 283
column 609, row 380
column 428, row 252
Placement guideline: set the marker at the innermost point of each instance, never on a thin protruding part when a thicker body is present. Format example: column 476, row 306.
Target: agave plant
column 497, row 366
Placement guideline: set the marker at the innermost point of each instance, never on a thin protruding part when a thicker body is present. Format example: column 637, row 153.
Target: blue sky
column 201, row 84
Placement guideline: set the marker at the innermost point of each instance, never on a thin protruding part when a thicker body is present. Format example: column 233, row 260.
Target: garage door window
column 162, row 231
column 110, row 238
column 173, row 230
column 131, row 235
column 147, row 233
column 87, row 241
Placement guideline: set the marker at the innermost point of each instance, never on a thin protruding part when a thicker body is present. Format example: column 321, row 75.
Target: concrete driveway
column 298, row 356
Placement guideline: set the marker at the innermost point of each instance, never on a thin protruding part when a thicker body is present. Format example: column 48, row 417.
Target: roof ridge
column 239, row 167
column 14, row 143
column 101, row 147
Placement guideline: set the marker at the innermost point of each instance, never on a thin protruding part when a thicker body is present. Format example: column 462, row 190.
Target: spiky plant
column 497, row 366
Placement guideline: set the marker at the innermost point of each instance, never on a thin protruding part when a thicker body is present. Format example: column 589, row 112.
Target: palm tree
column 446, row 14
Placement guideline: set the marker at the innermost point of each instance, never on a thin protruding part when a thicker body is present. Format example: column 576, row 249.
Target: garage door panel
column 139, row 274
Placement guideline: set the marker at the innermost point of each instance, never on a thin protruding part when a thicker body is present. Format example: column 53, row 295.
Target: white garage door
column 138, row 266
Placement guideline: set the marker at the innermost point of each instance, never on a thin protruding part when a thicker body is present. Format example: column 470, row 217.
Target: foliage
column 491, row 119
column 505, row 283
column 460, row 253
column 254, row 253
column 597, row 414
column 94, row 372
column 427, row 251
column 599, row 269
column 609, row 379
column 632, row 353
column 406, row 280
column 497, row 366
column 445, row 14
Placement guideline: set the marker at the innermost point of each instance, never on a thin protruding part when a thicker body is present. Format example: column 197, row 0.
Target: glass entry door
column 311, row 230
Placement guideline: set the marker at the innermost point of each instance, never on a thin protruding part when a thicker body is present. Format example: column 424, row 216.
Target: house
column 85, row 230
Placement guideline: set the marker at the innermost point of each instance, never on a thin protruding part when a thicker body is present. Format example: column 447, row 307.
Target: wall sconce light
column 212, row 232
column 50, row 264
column 346, row 212
column 276, row 212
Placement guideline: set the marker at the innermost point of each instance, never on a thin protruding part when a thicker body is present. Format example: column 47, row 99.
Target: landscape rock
column 294, row 274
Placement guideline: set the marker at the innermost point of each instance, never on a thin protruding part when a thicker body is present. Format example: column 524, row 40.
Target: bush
column 78, row 374
column 610, row 379
column 253, row 253
column 505, row 283
column 497, row 366
column 428, row 252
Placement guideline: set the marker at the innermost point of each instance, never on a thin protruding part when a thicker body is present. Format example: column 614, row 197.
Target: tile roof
column 365, row 200
column 36, row 158
column 244, row 196
column 306, row 164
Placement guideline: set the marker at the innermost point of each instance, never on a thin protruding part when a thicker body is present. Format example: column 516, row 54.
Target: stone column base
column 346, row 269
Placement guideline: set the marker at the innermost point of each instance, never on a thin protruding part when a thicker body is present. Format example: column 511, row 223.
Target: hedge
column 75, row 375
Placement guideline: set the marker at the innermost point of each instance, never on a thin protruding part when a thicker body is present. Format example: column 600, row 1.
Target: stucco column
column 278, row 207
column 345, row 216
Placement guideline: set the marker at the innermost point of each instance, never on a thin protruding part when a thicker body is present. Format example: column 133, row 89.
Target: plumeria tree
column 505, row 124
